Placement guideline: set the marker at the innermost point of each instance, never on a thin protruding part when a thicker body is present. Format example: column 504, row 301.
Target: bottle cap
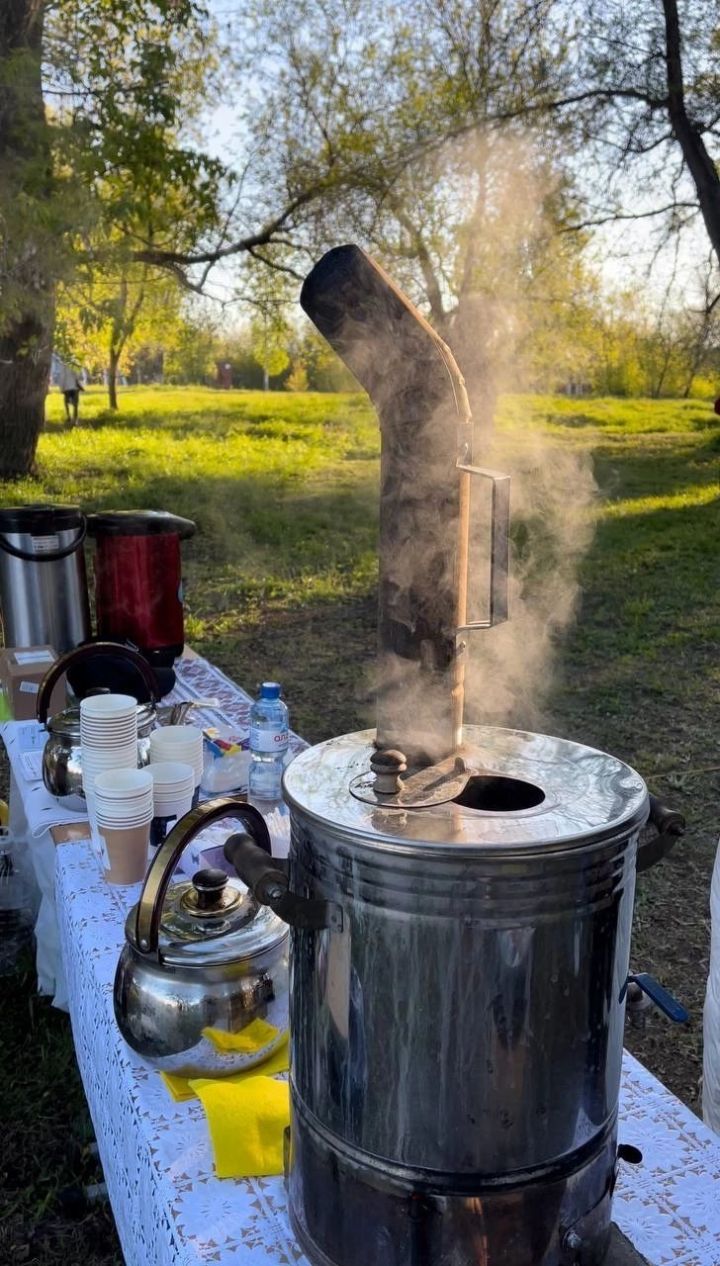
column 270, row 690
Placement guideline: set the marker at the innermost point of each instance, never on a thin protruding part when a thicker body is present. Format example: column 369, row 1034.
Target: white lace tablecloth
column 34, row 812
column 171, row 1211
column 169, row 1208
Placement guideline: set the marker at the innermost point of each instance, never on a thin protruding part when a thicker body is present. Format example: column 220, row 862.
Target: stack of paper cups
column 183, row 743
column 124, row 810
column 108, row 739
column 173, row 793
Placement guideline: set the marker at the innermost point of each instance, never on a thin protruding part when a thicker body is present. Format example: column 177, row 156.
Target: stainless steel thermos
column 43, row 582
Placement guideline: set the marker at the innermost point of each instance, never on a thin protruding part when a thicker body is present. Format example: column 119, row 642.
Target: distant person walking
column 71, row 386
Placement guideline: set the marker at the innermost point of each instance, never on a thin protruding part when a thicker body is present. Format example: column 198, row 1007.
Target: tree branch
column 262, row 237
column 699, row 163
column 612, row 217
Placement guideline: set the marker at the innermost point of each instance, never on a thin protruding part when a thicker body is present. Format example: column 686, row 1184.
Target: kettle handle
column 157, row 880
column 61, row 666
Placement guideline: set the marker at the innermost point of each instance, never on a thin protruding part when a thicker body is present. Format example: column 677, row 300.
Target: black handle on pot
column 115, row 649
column 670, row 825
column 268, row 881
column 47, row 556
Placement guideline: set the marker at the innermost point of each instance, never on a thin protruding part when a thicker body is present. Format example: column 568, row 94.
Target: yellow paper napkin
column 252, row 1038
column 279, row 1062
column 247, row 1123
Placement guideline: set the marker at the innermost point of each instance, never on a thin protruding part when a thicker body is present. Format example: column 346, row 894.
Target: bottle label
column 268, row 740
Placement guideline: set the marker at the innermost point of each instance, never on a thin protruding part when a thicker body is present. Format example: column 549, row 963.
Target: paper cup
column 170, row 776
column 182, row 743
column 166, row 816
column 125, row 852
column 104, row 707
column 109, row 739
column 94, row 763
column 124, row 784
column 168, row 735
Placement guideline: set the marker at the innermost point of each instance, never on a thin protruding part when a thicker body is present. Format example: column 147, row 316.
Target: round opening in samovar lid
column 493, row 793
column 506, row 790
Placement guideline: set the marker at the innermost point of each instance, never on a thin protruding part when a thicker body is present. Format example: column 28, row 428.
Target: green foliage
column 107, row 168
column 131, row 69
column 190, row 354
column 297, row 379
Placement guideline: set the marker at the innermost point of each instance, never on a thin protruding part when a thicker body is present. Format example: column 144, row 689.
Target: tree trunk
column 699, row 162
column 112, row 379
column 25, row 176
column 24, row 375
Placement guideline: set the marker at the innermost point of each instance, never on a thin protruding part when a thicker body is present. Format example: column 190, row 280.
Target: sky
column 621, row 253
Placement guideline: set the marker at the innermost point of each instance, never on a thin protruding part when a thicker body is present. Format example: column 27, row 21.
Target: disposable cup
column 187, row 753
column 106, row 706
column 100, row 762
column 166, row 815
column 123, row 784
column 174, row 738
column 106, row 755
column 125, row 850
column 121, row 806
column 122, row 810
column 108, row 740
column 108, row 721
column 178, row 743
column 113, row 720
column 171, row 773
column 141, row 819
column 174, row 745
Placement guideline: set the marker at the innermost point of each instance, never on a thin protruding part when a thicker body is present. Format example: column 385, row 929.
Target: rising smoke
column 509, row 668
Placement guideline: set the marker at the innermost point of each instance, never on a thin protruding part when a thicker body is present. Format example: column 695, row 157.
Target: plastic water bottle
column 268, row 743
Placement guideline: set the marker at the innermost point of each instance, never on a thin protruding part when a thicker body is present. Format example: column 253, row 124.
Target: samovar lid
column 525, row 792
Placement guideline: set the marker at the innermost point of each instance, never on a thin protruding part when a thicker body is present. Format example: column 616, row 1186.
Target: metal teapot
column 62, row 760
column 203, row 961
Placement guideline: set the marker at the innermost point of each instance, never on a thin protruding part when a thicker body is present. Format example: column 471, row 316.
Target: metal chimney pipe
column 419, row 394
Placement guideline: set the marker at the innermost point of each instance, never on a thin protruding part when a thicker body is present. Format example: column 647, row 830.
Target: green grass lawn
column 280, row 583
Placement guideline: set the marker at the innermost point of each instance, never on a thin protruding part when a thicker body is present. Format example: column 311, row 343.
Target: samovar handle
column 269, row 883
column 669, row 824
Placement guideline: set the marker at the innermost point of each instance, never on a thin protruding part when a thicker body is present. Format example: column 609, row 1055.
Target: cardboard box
column 22, row 668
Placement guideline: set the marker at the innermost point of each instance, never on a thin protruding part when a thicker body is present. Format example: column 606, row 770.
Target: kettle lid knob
column 209, row 885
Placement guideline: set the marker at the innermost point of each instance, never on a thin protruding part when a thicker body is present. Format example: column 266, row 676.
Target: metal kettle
column 62, row 756
column 201, row 987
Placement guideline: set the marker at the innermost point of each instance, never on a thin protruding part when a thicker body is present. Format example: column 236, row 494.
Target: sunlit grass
column 609, row 414
column 283, row 487
column 697, row 495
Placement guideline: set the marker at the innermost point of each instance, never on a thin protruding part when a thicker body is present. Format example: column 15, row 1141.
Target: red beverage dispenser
column 138, row 580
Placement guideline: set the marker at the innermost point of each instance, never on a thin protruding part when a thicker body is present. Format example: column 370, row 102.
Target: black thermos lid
column 139, row 523
column 40, row 520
